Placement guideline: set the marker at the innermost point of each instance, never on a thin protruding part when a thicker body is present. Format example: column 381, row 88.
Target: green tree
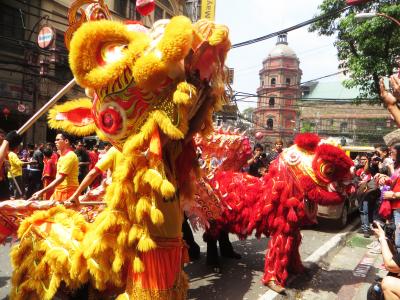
column 366, row 50
column 306, row 127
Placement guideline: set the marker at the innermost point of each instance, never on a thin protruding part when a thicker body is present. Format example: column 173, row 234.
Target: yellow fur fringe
column 56, row 122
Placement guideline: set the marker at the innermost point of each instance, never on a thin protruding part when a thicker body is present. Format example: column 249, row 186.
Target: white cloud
column 254, row 18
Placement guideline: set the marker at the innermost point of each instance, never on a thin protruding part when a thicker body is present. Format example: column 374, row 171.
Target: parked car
column 339, row 214
column 353, row 151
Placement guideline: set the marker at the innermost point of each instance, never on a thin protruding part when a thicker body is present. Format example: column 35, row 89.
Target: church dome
column 282, row 48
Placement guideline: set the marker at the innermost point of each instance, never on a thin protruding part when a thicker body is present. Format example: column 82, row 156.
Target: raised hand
column 395, row 84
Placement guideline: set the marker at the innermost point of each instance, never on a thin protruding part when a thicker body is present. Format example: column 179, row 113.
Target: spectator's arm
column 387, row 255
column 389, row 99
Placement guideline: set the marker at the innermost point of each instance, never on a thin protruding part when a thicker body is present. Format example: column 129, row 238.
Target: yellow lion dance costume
column 150, row 91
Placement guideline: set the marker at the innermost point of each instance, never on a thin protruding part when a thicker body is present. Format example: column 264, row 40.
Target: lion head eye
column 110, row 120
column 327, row 169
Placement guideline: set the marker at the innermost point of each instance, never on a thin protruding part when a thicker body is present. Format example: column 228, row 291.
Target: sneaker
column 372, row 245
column 367, row 234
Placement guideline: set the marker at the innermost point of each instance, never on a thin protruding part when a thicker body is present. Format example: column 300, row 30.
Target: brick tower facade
column 276, row 112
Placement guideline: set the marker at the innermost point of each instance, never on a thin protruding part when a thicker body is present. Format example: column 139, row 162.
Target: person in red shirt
column 49, row 172
column 94, row 156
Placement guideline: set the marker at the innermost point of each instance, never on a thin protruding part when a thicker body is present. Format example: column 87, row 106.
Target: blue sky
column 248, row 19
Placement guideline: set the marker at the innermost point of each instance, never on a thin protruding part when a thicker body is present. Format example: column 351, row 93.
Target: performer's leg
column 225, row 246
column 212, row 250
column 194, row 248
column 295, row 265
column 273, row 277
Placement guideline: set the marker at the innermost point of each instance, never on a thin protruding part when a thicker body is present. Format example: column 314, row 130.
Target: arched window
column 272, row 101
column 288, row 81
column 270, row 123
column 273, row 81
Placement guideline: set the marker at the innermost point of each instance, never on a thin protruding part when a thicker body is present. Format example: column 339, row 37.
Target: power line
column 302, row 24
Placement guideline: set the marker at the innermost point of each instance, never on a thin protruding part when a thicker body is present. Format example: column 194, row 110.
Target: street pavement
column 347, row 275
column 241, row 279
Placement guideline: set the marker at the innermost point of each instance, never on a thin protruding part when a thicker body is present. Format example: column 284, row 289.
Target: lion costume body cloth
column 149, row 91
column 309, row 173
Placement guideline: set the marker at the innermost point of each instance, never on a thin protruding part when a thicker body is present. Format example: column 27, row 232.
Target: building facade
column 276, row 112
column 30, row 75
column 330, row 109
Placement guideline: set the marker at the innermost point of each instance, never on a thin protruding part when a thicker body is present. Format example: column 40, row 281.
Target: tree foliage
column 367, row 50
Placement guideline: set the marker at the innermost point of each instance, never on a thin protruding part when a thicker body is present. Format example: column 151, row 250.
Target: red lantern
column 356, row 2
column 6, row 112
column 145, row 7
column 259, row 135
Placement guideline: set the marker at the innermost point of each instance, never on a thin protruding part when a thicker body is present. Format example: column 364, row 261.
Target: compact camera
column 388, row 228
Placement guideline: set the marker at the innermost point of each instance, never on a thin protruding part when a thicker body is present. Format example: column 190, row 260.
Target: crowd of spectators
column 30, row 168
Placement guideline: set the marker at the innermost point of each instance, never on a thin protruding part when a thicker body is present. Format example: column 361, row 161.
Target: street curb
column 320, row 256
column 331, row 247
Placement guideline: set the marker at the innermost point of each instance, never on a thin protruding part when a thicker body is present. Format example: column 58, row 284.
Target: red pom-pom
column 307, row 141
column 292, row 202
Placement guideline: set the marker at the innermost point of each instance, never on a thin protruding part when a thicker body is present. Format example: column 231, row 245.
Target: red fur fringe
column 307, row 141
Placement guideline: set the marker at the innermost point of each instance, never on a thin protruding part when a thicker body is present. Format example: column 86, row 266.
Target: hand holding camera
column 378, row 230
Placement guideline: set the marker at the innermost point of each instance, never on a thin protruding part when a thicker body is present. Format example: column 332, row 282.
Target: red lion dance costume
column 308, row 173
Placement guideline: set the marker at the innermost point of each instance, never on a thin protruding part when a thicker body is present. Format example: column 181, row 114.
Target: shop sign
column 46, row 37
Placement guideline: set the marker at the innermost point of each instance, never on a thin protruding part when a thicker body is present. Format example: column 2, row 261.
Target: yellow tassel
column 138, row 176
column 134, row 234
column 138, row 266
column 167, row 189
column 123, row 296
column 118, row 262
column 184, row 93
column 154, row 178
column 219, row 35
column 166, row 126
column 122, row 237
column 53, row 287
column 181, row 98
column 157, row 218
column 142, row 207
column 146, row 244
column 79, row 267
